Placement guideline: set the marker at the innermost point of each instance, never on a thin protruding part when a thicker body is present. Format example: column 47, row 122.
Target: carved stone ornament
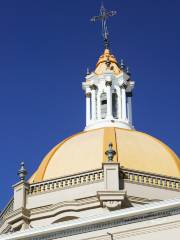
column 112, row 204
column 112, row 199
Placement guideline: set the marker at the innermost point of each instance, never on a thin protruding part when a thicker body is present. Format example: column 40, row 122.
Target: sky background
column 45, row 48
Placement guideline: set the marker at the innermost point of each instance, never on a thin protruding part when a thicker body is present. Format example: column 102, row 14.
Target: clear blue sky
column 45, row 48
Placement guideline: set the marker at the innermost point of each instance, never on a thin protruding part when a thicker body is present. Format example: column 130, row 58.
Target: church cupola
column 108, row 95
column 109, row 88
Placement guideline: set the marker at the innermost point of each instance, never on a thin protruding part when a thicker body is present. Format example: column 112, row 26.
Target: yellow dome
column 101, row 65
column 85, row 151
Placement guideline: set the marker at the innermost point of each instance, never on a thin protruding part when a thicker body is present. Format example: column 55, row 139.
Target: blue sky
column 45, row 48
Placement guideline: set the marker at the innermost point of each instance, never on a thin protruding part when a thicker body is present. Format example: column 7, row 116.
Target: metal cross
column 103, row 17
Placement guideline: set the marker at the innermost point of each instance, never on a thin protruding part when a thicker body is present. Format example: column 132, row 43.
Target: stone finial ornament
column 87, row 71
column 128, row 71
column 122, row 65
column 22, row 172
column 110, row 153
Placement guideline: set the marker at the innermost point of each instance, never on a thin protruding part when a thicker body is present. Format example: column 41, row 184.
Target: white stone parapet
column 98, row 175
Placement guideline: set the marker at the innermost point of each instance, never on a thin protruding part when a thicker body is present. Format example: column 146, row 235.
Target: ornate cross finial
column 22, row 172
column 110, row 153
column 103, row 17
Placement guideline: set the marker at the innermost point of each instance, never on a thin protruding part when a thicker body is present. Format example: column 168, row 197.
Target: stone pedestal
column 113, row 196
column 111, row 176
column 20, row 192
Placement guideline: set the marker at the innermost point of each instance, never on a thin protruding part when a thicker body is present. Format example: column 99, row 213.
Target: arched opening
column 103, row 105
column 115, row 105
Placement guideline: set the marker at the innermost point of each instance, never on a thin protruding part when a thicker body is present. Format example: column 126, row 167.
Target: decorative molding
column 63, row 207
column 99, row 222
column 7, row 210
column 112, row 199
column 108, row 224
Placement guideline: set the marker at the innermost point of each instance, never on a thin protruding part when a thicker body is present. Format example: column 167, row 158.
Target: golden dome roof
column 105, row 59
column 85, row 151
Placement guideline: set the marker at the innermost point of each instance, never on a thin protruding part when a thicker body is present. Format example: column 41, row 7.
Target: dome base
column 109, row 123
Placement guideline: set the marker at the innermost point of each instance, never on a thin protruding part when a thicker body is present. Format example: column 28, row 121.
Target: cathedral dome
column 85, row 151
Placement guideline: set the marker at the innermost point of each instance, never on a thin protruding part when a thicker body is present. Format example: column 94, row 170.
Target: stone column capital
column 88, row 94
column 108, row 83
column 93, row 87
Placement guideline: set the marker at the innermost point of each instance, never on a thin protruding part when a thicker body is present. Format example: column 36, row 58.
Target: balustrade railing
column 150, row 179
column 98, row 175
column 67, row 182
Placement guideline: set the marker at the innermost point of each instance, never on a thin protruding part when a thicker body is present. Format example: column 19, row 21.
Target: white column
column 124, row 113
column 129, row 106
column 119, row 103
column 109, row 100
column 99, row 105
column 88, row 108
column 93, row 101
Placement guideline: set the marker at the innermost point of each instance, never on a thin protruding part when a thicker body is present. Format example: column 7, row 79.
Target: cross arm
column 93, row 19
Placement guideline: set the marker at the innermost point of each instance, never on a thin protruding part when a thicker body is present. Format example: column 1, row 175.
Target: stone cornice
column 99, row 222
column 63, row 207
